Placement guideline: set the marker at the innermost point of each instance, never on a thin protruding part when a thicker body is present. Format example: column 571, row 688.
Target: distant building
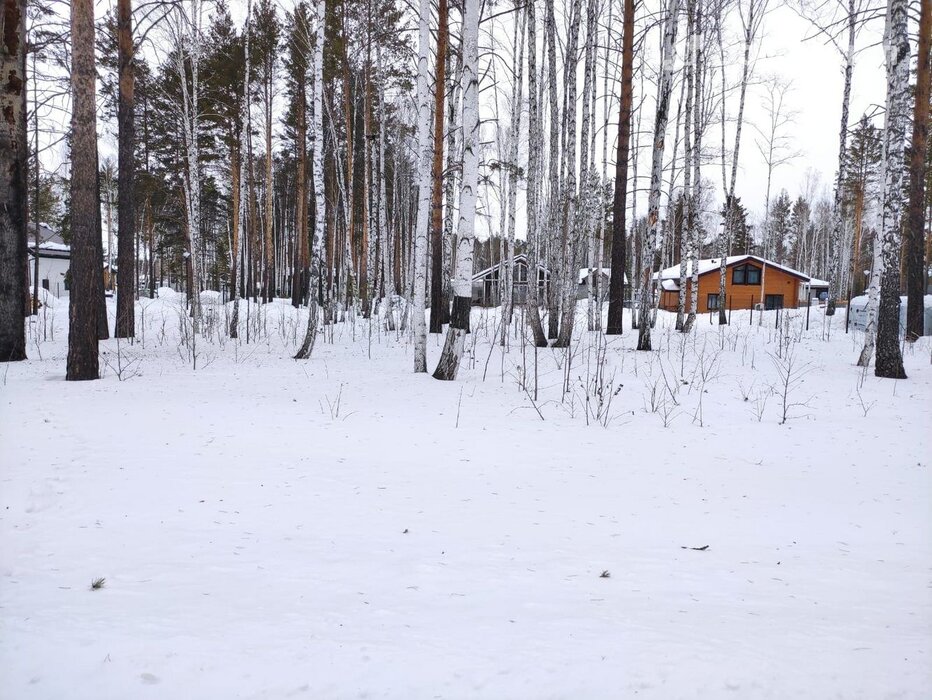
column 54, row 260
column 749, row 281
column 602, row 282
column 486, row 284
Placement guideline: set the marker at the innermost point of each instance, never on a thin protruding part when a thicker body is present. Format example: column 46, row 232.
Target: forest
column 351, row 155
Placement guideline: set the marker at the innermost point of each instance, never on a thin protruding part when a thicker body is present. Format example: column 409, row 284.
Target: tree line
column 345, row 153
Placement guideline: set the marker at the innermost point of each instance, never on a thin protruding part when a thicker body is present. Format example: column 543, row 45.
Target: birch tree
column 533, row 183
column 568, row 201
column 653, row 201
column 455, row 341
column 320, row 202
column 186, row 33
column 889, row 362
column 13, row 164
column 752, row 17
column 425, row 156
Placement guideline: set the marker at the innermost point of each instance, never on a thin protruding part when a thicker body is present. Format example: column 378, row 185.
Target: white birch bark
column 320, row 203
column 514, row 134
column 454, row 345
column 750, row 23
column 835, row 270
column 873, row 301
column 425, row 154
column 889, row 360
column 686, row 228
column 653, row 201
column 188, row 39
column 567, row 211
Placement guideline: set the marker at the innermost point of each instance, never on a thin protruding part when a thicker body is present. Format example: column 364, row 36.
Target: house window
column 713, row 302
column 745, row 274
column 773, row 301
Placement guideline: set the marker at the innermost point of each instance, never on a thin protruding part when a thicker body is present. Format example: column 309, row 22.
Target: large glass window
column 745, row 274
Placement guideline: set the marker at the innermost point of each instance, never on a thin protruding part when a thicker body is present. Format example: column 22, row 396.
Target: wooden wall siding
column 739, row 296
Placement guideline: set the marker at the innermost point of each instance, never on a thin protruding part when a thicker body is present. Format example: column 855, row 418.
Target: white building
column 54, row 261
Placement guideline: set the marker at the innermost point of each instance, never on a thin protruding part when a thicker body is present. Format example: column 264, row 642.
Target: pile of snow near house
column 741, row 512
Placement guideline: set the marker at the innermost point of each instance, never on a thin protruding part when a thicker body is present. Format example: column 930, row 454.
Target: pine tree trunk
column 916, row 275
column 454, row 345
column 85, row 265
column 126, row 213
column 616, row 294
column 13, row 164
column 436, row 199
column 299, row 268
column 889, row 361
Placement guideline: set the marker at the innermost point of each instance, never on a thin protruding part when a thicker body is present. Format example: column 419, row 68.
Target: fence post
column 752, row 310
column 729, row 310
column 808, row 306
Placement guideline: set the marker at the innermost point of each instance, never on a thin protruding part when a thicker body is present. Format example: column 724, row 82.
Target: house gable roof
column 709, row 265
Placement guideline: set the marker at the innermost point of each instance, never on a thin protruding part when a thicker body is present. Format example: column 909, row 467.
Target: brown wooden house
column 750, row 282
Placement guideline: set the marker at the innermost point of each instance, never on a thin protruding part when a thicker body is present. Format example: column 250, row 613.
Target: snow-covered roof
column 520, row 257
column 670, row 285
column 708, row 265
column 584, row 273
column 813, row 282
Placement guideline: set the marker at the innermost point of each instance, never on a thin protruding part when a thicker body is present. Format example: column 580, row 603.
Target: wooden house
column 750, row 282
column 486, row 284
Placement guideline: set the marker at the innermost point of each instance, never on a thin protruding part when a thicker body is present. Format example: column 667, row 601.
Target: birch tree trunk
column 455, row 342
column 14, row 158
column 889, row 362
column 425, row 154
column 85, row 209
column 514, row 134
column 916, row 274
column 688, row 222
column 553, row 203
column 533, row 184
column 188, row 39
column 750, row 24
column 873, row 301
column 569, row 202
column 616, row 294
column 838, row 213
column 698, row 127
column 653, row 203
column 587, row 181
column 320, row 201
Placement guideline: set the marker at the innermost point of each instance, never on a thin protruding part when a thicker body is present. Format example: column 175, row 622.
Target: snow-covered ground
column 342, row 528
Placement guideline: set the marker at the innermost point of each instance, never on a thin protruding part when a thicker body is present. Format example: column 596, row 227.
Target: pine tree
column 13, row 164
